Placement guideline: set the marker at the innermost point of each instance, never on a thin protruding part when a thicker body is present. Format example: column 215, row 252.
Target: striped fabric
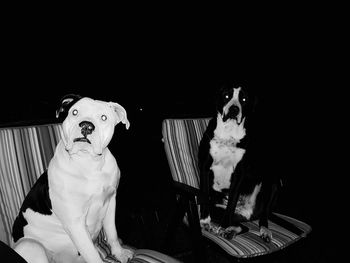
column 146, row 255
column 25, row 153
column 181, row 139
column 140, row 256
column 250, row 244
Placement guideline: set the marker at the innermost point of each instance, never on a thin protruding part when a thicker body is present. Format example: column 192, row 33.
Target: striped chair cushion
column 25, row 153
column 181, row 140
column 140, row 256
column 250, row 244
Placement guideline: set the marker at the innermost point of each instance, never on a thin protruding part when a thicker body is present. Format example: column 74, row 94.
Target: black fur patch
column 38, row 200
column 66, row 102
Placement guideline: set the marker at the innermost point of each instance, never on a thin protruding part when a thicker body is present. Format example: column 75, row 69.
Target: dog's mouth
column 239, row 122
column 82, row 139
column 234, row 118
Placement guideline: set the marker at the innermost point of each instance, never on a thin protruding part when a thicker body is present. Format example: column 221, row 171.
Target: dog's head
column 89, row 124
column 234, row 103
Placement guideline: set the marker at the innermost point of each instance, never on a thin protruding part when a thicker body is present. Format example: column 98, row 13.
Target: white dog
column 71, row 202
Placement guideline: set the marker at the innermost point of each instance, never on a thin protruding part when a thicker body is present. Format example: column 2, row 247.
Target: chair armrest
column 186, row 190
column 189, row 192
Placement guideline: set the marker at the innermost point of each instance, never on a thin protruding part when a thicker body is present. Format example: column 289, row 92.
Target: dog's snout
column 87, row 127
column 232, row 113
column 234, row 110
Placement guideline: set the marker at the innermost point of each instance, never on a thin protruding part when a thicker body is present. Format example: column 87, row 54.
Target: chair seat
column 140, row 255
column 250, row 244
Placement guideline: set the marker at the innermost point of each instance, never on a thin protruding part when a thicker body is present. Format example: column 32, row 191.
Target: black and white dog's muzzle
column 233, row 108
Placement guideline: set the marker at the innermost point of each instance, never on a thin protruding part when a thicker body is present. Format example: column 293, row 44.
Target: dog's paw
column 206, row 224
column 265, row 234
column 230, row 232
column 123, row 254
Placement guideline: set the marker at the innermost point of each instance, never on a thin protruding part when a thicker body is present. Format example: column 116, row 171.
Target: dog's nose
column 232, row 113
column 234, row 110
column 86, row 127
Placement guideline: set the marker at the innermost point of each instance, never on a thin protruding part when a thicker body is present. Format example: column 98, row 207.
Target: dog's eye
column 244, row 100
column 227, row 97
column 243, row 97
column 75, row 112
column 104, row 117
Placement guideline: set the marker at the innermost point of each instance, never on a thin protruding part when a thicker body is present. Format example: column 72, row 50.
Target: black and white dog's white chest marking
column 225, row 153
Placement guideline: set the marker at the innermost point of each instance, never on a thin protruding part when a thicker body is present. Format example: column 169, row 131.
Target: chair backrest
column 181, row 141
column 25, row 153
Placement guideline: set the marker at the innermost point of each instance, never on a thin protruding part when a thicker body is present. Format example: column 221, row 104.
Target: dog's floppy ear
column 66, row 102
column 121, row 113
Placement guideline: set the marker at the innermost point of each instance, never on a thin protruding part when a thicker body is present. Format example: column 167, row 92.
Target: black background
column 161, row 68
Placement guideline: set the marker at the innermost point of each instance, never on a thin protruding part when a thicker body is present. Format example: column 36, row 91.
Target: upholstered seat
column 25, row 153
column 181, row 140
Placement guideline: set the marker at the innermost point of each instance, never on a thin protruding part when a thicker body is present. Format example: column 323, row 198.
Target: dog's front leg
column 270, row 192
column 121, row 253
column 82, row 240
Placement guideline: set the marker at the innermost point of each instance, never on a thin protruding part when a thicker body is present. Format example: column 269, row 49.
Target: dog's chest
column 225, row 153
column 82, row 194
column 97, row 208
column 225, row 156
column 92, row 196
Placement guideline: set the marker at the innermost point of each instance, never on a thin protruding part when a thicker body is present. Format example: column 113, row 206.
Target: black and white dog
column 233, row 188
column 75, row 198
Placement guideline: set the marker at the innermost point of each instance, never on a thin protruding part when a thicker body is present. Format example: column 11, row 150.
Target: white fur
column 32, row 250
column 92, row 110
column 224, row 152
column 246, row 203
column 205, row 221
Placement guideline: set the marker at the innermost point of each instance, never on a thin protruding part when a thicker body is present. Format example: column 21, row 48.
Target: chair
column 181, row 139
column 25, row 152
